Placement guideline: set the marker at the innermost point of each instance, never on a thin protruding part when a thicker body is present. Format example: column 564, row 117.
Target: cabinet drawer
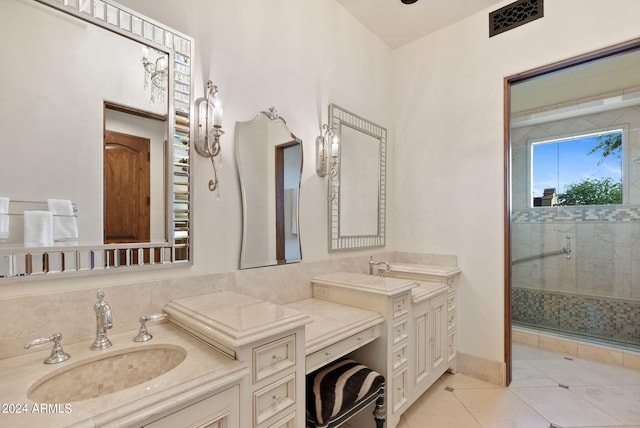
column 286, row 422
column 400, row 305
column 343, row 347
column 399, row 389
column 400, row 330
column 451, row 302
column 451, row 345
column 274, row 398
column 451, row 321
column 400, row 356
column 274, row 357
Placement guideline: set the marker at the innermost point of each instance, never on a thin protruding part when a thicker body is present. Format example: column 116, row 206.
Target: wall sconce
column 327, row 151
column 207, row 143
column 156, row 73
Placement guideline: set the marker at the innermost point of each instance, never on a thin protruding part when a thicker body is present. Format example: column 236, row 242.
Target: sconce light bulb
column 215, row 100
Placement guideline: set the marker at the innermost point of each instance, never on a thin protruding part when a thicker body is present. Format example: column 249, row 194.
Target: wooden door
column 126, row 188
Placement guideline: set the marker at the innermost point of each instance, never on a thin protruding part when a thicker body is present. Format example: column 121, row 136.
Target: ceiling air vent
column 514, row 15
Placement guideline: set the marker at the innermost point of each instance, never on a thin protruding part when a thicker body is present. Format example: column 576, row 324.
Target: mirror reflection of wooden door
column 288, row 167
column 126, row 188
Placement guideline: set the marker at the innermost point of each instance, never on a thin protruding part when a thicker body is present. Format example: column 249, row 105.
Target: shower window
column 583, row 169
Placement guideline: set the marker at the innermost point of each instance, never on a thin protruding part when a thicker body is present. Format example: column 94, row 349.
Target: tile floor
column 548, row 390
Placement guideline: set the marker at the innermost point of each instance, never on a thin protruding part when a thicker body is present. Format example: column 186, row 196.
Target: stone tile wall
column 615, row 321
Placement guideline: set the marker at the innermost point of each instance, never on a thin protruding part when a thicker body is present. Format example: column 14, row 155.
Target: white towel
column 38, row 229
column 4, row 219
column 65, row 225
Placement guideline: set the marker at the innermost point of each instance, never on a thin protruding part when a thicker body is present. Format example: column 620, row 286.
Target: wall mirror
column 269, row 160
column 357, row 186
column 98, row 98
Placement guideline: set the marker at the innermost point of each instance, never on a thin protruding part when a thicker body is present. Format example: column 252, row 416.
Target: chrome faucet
column 373, row 263
column 104, row 322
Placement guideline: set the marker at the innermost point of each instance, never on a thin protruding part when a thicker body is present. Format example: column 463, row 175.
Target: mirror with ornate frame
column 269, row 160
column 83, row 74
column 357, row 184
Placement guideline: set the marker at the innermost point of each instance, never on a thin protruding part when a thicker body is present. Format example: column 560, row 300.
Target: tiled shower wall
column 605, row 250
column 596, row 292
column 616, row 321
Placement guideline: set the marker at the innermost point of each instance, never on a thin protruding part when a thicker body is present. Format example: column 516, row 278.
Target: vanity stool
column 338, row 391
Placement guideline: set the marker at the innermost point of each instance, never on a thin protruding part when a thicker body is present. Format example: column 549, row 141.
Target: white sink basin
column 106, row 374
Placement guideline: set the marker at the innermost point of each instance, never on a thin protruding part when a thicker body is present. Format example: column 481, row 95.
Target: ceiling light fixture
column 408, row 1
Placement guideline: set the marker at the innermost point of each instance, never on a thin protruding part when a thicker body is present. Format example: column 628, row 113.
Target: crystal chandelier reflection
column 155, row 74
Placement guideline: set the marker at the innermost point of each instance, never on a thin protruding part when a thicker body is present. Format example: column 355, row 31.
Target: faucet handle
column 57, row 353
column 143, row 334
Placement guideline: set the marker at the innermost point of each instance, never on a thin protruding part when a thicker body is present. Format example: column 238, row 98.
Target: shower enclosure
column 575, row 201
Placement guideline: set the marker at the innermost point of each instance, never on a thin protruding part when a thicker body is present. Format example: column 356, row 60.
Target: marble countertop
column 332, row 322
column 427, row 289
column 203, row 372
column 359, row 281
column 436, row 270
column 230, row 320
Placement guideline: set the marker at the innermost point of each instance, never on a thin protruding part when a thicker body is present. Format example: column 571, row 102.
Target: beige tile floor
column 547, row 388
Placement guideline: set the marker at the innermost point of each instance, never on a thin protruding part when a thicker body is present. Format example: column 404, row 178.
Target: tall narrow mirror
column 357, row 193
column 269, row 160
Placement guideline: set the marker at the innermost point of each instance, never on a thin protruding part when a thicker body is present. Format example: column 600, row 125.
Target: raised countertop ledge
column 204, row 372
column 333, row 322
column 437, row 270
column 233, row 320
column 360, row 281
column 426, row 289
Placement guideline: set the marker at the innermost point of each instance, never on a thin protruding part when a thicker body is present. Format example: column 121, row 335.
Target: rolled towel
column 38, row 228
column 4, row 219
column 65, row 224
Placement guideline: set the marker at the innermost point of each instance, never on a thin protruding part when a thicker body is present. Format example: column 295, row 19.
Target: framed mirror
column 99, row 99
column 357, row 186
column 269, row 160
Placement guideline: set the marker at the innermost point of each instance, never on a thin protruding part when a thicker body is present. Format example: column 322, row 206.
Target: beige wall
column 448, row 117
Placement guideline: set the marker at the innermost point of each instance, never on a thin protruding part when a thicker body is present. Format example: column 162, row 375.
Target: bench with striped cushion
column 340, row 390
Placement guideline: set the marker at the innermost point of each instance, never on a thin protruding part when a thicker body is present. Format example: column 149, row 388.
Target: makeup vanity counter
column 280, row 343
column 335, row 330
column 204, row 374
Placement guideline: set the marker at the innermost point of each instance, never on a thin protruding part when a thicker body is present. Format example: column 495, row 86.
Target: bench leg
column 379, row 413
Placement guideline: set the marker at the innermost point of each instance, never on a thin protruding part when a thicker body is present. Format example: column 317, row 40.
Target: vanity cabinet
column 221, row 410
column 442, row 274
column 410, row 352
column 429, row 327
column 270, row 338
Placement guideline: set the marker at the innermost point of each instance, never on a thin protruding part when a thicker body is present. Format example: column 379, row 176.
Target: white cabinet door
column 430, row 339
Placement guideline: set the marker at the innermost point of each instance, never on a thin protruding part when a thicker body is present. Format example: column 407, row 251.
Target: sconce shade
column 209, row 131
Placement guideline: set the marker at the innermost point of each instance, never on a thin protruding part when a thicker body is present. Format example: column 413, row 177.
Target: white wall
column 295, row 55
column 448, row 117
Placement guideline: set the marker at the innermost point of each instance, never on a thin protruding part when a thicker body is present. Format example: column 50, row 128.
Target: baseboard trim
column 488, row 370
